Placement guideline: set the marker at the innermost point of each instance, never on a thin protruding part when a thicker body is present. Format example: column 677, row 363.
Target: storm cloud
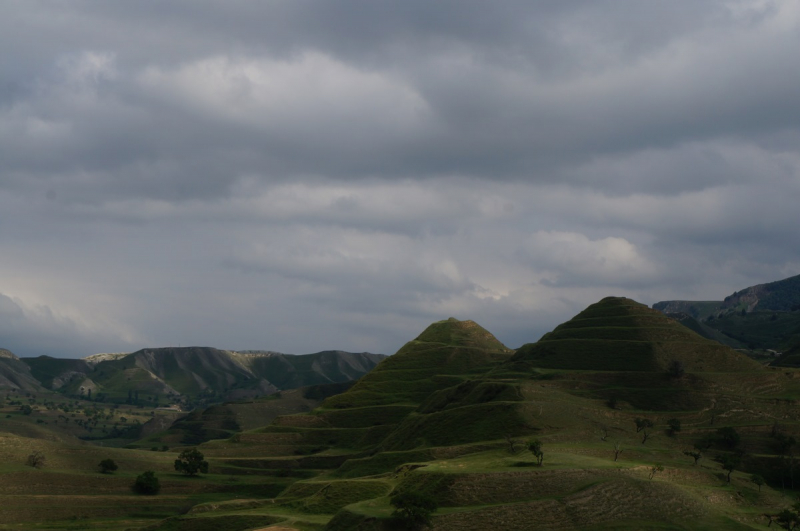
column 299, row 176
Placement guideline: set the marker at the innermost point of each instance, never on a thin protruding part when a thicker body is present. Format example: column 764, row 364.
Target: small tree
column 757, row 480
column 535, row 447
column 617, row 451
column 674, row 426
column 190, row 462
column 107, row 466
column 730, row 463
column 642, row 424
column 655, row 469
column 696, row 454
column 789, row 519
column 36, row 459
column 511, row 442
column 147, row 483
column 412, row 510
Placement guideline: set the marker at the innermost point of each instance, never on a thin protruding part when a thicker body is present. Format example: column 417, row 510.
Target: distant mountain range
column 779, row 296
column 191, row 375
column 764, row 317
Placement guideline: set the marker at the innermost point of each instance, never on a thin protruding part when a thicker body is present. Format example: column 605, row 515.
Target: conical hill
column 619, row 334
column 445, row 354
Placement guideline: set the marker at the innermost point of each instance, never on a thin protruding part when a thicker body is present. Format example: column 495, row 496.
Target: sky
column 300, row 176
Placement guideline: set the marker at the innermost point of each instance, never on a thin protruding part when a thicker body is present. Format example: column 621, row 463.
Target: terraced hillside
column 444, row 354
column 618, row 334
column 447, row 353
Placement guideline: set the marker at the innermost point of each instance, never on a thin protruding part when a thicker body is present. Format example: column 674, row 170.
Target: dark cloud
column 239, row 173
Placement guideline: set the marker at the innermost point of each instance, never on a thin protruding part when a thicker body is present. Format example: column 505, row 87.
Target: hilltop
column 437, row 357
column 618, row 334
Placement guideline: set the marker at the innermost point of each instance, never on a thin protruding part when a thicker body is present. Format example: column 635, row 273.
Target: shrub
column 413, row 510
column 147, row 483
column 190, row 462
column 757, row 479
column 107, row 466
column 36, row 460
column 642, row 424
column 535, row 447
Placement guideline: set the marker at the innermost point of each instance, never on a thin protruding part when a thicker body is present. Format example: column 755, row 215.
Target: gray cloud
column 300, row 175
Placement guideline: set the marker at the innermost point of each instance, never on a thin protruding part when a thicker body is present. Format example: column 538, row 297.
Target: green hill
column 446, row 353
column 760, row 330
column 381, row 409
column 618, row 334
column 54, row 373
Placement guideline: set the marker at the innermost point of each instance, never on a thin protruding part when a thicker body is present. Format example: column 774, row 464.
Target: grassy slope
column 706, row 331
column 225, row 420
column 46, row 368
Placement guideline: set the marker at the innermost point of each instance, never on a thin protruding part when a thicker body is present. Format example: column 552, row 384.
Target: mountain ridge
column 764, row 318
column 191, row 373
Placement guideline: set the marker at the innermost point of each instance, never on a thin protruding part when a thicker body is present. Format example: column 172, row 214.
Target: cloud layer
column 299, row 175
